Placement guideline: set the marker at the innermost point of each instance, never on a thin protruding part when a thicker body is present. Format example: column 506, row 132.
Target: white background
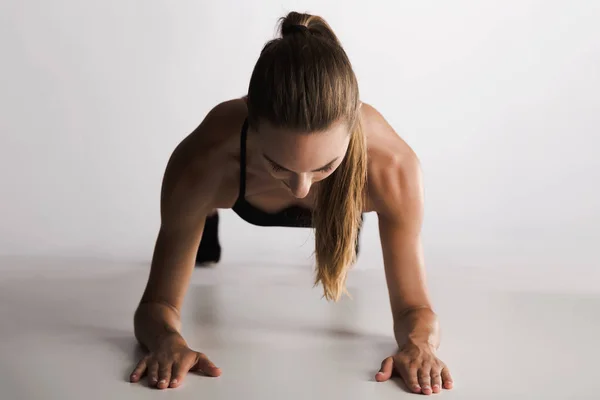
column 500, row 100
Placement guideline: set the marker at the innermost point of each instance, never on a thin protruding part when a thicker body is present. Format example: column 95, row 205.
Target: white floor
column 66, row 333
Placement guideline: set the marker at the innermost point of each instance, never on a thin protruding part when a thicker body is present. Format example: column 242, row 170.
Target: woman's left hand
column 420, row 368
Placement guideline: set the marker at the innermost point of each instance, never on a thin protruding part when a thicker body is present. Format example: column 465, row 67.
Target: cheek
column 321, row 176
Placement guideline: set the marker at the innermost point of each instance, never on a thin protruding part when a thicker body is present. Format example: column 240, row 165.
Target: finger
column 436, row 379
column 152, row 373
column 447, row 379
column 409, row 375
column 164, row 375
column 138, row 372
column 204, row 365
column 180, row 369
column 385, row 372
column 424, row 375
column 178, row 373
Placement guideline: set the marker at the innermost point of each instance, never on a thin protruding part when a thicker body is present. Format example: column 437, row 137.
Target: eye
column 276, row 167
column 326, row 169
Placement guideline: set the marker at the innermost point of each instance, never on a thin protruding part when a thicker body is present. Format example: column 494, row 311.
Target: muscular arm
column 187, row 197
column 400, row 218
column 395, row 189
column 158, row 314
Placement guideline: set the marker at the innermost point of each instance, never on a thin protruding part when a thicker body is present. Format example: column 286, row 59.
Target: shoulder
column 394, row 171
column 203, row 161
column 216, row 129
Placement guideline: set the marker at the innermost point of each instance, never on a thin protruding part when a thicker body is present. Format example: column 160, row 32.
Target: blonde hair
column 303, row 81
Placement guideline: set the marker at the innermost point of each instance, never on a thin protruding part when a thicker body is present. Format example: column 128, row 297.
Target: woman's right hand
column 167, row 366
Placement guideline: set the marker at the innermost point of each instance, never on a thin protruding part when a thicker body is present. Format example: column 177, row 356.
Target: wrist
column 417, row 326
column 419, row 341
column 155, row 324
column 171, row 336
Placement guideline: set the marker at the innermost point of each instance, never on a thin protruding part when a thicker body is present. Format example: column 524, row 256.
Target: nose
column 300, row 186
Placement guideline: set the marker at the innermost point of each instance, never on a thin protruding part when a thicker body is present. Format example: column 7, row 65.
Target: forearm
column 155, row 322
column 417, row 325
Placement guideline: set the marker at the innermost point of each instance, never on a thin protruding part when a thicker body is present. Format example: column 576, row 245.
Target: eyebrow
column 314, row 170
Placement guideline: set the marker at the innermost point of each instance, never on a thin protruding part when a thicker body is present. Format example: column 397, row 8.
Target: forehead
column 303, row 151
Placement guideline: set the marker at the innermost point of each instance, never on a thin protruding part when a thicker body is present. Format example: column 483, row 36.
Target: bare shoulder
column 200, row 167
column 394, row 172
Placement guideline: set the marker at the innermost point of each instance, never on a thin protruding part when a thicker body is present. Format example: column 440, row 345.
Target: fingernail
column 162, row 382
column 436, row 386
column 174, row 381
column 380, row 373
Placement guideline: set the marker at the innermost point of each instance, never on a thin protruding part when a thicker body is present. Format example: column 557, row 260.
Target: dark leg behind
column 357, row 246
column 209, row 250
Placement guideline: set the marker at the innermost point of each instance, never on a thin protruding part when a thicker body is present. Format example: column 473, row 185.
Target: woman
column 299, row 150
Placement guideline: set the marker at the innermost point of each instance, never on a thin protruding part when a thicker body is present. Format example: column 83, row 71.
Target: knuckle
column 146, row 361
column 426, row 365
column 414, row 366
column 164, row 368
column 178, row 369
column 404, row 358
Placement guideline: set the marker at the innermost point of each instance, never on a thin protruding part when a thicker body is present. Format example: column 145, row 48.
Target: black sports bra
column 292, row 216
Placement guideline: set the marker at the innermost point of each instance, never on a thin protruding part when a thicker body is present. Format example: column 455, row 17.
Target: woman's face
column 301, row 159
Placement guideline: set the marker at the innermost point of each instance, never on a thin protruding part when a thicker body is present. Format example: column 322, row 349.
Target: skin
column 283, row 168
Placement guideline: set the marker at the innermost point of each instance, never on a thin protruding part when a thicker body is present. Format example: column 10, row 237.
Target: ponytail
column 304, row 82
column 338, row 216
